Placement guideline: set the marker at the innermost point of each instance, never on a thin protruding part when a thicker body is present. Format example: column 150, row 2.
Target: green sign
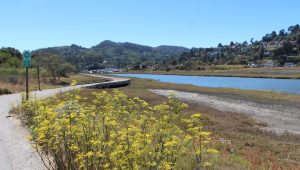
column 26, row 58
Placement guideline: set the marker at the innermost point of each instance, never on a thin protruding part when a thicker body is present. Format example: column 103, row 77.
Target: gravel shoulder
column 280, row 118
column 16, row 151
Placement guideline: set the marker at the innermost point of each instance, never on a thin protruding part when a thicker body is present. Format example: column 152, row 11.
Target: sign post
column 27, row 64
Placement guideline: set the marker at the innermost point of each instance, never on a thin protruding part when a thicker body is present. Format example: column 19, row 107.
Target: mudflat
column 280, row 118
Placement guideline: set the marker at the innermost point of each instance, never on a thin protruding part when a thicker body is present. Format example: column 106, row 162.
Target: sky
column 34, row 24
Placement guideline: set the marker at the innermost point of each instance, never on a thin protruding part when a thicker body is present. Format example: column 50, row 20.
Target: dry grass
column 20, row 86
column 46, row 82
column 81, row 79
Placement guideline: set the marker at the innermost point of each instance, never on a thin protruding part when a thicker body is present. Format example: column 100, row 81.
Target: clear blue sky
column 33, row 24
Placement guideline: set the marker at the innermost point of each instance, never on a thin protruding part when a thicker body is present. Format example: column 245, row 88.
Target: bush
column 116, row 132
column 13, row 79
column 4, row 91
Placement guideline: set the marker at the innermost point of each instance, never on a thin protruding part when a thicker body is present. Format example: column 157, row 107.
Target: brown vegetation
column 18, row 84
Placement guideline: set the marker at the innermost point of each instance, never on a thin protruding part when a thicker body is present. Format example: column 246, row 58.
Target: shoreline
column 268, row 73
column 286, row 78
column 205, row 75
column 265, row 96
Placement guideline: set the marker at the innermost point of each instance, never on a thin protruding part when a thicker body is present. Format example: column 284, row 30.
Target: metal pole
column 27, row 96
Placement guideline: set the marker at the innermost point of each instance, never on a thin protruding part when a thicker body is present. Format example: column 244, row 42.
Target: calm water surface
column 278, row 85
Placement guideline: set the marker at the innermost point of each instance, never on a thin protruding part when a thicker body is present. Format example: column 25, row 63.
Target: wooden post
column 27, row 91
column 38, row 73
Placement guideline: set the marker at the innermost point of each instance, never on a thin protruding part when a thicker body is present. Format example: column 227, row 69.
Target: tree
column 63, row 69
column 173, row 62
column 231, row 43
column 287, row 48
column 188, row 65
column 51, row 63
column 14, row 62
column 282, row 33
column 261, row 52
column 281, row 54
column 55, row 65
column 252, row 41
column 294, row 29
column 297, row 28
column 273, row 35
column 267, row 38
column 298, row 42
column 10, row 57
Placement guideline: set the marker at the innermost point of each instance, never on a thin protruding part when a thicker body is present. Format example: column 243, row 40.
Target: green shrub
column 4, row 91
column 13, row 79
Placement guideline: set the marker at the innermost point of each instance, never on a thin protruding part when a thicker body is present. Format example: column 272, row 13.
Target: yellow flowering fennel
column 116, row 132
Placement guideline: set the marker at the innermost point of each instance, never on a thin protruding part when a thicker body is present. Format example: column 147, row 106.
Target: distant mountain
column 113, row 54
column 166, row 49
column 122, row 46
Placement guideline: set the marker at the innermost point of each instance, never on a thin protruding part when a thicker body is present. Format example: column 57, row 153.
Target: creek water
column 278, row 85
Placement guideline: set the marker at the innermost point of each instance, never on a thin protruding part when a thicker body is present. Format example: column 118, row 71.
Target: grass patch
column 14, row 80
column 81, row 79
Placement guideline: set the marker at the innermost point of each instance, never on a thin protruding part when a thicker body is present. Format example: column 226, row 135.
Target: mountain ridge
column 113, row 54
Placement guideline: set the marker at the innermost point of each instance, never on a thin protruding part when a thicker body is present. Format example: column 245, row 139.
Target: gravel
column 280, row 118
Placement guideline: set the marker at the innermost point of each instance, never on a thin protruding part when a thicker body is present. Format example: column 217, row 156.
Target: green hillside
column 10, row 57
column 113, row 54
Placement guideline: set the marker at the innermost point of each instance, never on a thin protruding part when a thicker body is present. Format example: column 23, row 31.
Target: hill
column 274, row 49
column 113, row 54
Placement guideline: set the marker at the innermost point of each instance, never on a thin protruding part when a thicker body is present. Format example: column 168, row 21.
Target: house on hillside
column 244, row 50
column 110, row 70
column 252, row 65
column 264, row 44
column 213, row 54
column 289, row 64
column 294, row 43
column 267, row 54
column 269, row 63
column 281, row 43
column 152, row 68
column 105, row 62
